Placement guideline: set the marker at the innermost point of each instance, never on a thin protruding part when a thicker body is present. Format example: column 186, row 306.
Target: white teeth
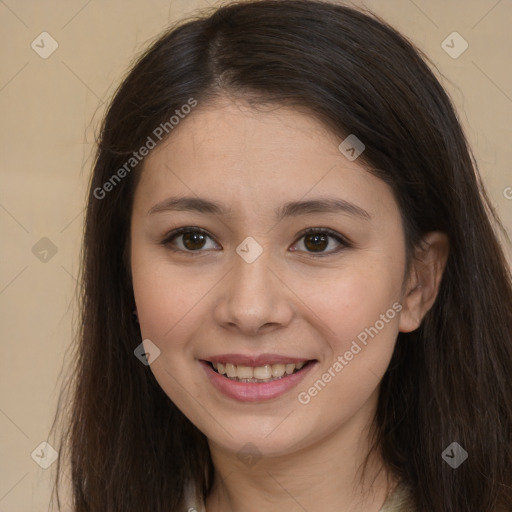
column 277, row 370
column 289, row 368
column 244, row 372
column 230, row 370
column 264, row 373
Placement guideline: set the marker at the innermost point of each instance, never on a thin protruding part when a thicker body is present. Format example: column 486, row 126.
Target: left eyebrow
column 290, row 209
column 321, row 205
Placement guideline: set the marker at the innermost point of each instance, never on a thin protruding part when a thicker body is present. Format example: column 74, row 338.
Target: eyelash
column 310, row 231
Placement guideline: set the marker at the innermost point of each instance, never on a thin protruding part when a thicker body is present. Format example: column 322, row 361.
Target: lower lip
column 255, row 391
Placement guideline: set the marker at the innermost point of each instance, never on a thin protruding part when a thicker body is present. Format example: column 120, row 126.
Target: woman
column 293, row 295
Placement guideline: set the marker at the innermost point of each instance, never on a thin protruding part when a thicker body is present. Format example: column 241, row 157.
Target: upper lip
column 253, row 360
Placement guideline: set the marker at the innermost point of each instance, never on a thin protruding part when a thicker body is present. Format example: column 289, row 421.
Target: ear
column 422, row 285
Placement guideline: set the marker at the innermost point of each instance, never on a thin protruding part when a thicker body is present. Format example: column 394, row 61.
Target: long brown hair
column 129, row 447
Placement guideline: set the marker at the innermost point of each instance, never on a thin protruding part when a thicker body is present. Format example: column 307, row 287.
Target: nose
column 254, row 299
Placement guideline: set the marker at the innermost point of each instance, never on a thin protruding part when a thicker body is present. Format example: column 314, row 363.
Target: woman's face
column 250, row 292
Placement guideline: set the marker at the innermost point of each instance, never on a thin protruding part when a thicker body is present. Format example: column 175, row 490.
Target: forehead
column 257, row 156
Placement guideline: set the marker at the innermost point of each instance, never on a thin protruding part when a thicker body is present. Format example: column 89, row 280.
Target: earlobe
column 427, row 267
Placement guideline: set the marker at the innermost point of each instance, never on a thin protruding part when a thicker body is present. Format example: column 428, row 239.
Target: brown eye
column 320, row 241
column 316, row 242
column 193, row 240
column 189, row 239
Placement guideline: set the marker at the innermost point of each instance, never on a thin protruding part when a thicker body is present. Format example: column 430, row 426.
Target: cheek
column 167, row 298
column 169, row 306
column 358, row 312
column 159, row 307
column 353, row 299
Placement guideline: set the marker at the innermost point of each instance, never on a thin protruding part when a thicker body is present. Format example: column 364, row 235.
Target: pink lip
column 255, row 391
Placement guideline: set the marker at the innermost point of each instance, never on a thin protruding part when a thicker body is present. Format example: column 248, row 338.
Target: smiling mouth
column 264, row 373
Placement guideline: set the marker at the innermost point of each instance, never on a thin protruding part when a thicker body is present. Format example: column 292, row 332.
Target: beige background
column 50, row 110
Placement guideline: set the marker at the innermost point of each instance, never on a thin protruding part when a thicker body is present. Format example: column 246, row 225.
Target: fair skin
column 205, row 300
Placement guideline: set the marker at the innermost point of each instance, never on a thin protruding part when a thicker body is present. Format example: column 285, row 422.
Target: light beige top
column 398, row 501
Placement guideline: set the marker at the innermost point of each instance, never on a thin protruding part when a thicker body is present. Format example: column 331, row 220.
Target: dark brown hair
column 129, row 447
